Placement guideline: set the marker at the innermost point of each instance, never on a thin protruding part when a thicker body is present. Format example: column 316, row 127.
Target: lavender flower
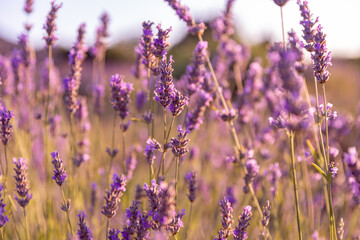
column 151, row 146
column 179, row 144
column 99, row 48
column 178, row 103
column 160, row 43
column 308, row 23
column 71, row 83
column 223, row 26
column 148, row 117
column 23, row 45
column 132, row 214
column 244, row 221
column 99, row 92
column 6, row 128
column 162, row 205
column 266, row 214
column 50, row 25
column 113, row 197
column 146, row 45
column 280, row 3
column 165, row 88
column 321, row 57
column 333, row 168
column 226, row 219
column 59, row 172
column 195, row 72
column 252, row 171
column 22, row 184
column 184, row 14
column 114, row 234
column 297, row 46
column 84, row 232
column 190, row 178
column 3, row 218
column 28, row 6
column 174, row 226
column 273, row 174
column 353, row 176
column 144, row 224
column 112, row 153
column 229, row 195
column 228, row 116
column 130, row 165
column 120, row 95
column 195, row 118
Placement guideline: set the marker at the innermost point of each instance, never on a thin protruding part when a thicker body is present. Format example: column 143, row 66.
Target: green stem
column 27, row 225
column 165, row 141
column 292, row 149
column 6, row 163
column 112, row 149
column 162, row 163
column 188, row 223
column 107, row 227
column 177, row 159
column 123, row 148
column 67, row 211
column 282, row 27
column 332, row 217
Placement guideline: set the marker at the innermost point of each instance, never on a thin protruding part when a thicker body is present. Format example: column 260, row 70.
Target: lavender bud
column 226, row 219
column 178, row 103
column 266, row 214
column 244, row 221
column 252, row 171
column 120, row 95
column 3, row 218
column 50, row 25
column 147, row 45
column 179, row 144
column 321, row 57
column 66, row 206
column 174, row 226
column 308, row 23
column 190, row 178
column 6, row 128
column 84, row 232
column 22, row 184
column 333, row 168
column 151, row 146
column 280, row 3
column 59, row 172
column 28, row 6
column 113, row 197
column 165, row 88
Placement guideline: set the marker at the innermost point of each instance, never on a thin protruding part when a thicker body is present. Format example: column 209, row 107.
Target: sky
column 254, row 19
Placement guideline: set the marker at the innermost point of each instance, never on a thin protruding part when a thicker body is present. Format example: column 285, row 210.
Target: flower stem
column 188, row 223
column 177, row 159
column 67, row 211
column 27, row 225
column 107, row 227
column 123, row 148
column 162, row 163
column 112, row 149
column 292, row 149
column 282, row 27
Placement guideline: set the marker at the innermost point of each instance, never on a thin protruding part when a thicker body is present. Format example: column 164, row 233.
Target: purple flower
column 308, row 23
column 141, row 98
column 6, row 128
column 321, row 57
column 151, row 146
column 50, row 25
column 195, row 72
column 178, row 103
column 3, row 218
column 297, row 46
column 174, row 226
column 114, row 234
column 229, row 195
column 333, row 168
column 252, row 171
column 353, row 176
column 132, row 215
column 244, row 221
column 113, row 197
column 99, row 48
column 120, row 95
column 226, row 219
column 223, row 26
column 179, row 144
column 146, row 45
column 84, row 232
column 280, row 3
column 144, row 224
column 162, row 205
column 72, row 82
column 99, row 92
column 160, row 43
column 148, row 117
column 228, row 116
column 165, row 88
column 28, row 6
column 23, row 45
column 22, row 184
column 190, row 178
column 195, row 118
column 130, row 165
column 273, row 174
column 266, row 214
column 59, row 172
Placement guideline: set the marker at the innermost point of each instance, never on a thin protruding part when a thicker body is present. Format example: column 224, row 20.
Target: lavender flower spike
column 50, row 25
column 280, row 3
column 308, row 23
column 164, row 90
column 151, row 146
column 178, row 103
column 6, row 128
column 28, row 6
column 113, row 196
column 120, row 95
column 59, row 172
column 190, row 178
column 179, row 144
column 22, row 184
column 3, row 218
column 226, row 220
column 321, row 57
column 84, row 232
column 244, row 219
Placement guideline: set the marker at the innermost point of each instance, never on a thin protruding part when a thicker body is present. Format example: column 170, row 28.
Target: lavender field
column 209, row 139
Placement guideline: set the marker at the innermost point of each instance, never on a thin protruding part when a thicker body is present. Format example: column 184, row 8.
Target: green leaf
column 320, row 171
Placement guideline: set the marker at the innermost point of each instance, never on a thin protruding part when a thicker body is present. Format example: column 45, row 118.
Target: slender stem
column 332, row 217
column 165, row 140
column 6, row 163
column 67, row 212
column 282, row 27
column 107, row 227
column 112, row 149
column 2, row 233
column 177, row 159
column 162, row 163
column 188, row 223
column 292, row 149
column 27, row 225
column 123, row 148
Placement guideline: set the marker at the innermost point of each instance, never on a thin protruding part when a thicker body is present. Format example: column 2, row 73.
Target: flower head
column 190, row 178
column 22, row 184
column 50, row 26
column 120, row 95
column 84, row 232
column 59, row 172
column 179, row 144
column 3, row 218
column 280, row 3
column 178, row 103
column 113, row 197
column 165, row 88
column 6, row 128
column 244, row 221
